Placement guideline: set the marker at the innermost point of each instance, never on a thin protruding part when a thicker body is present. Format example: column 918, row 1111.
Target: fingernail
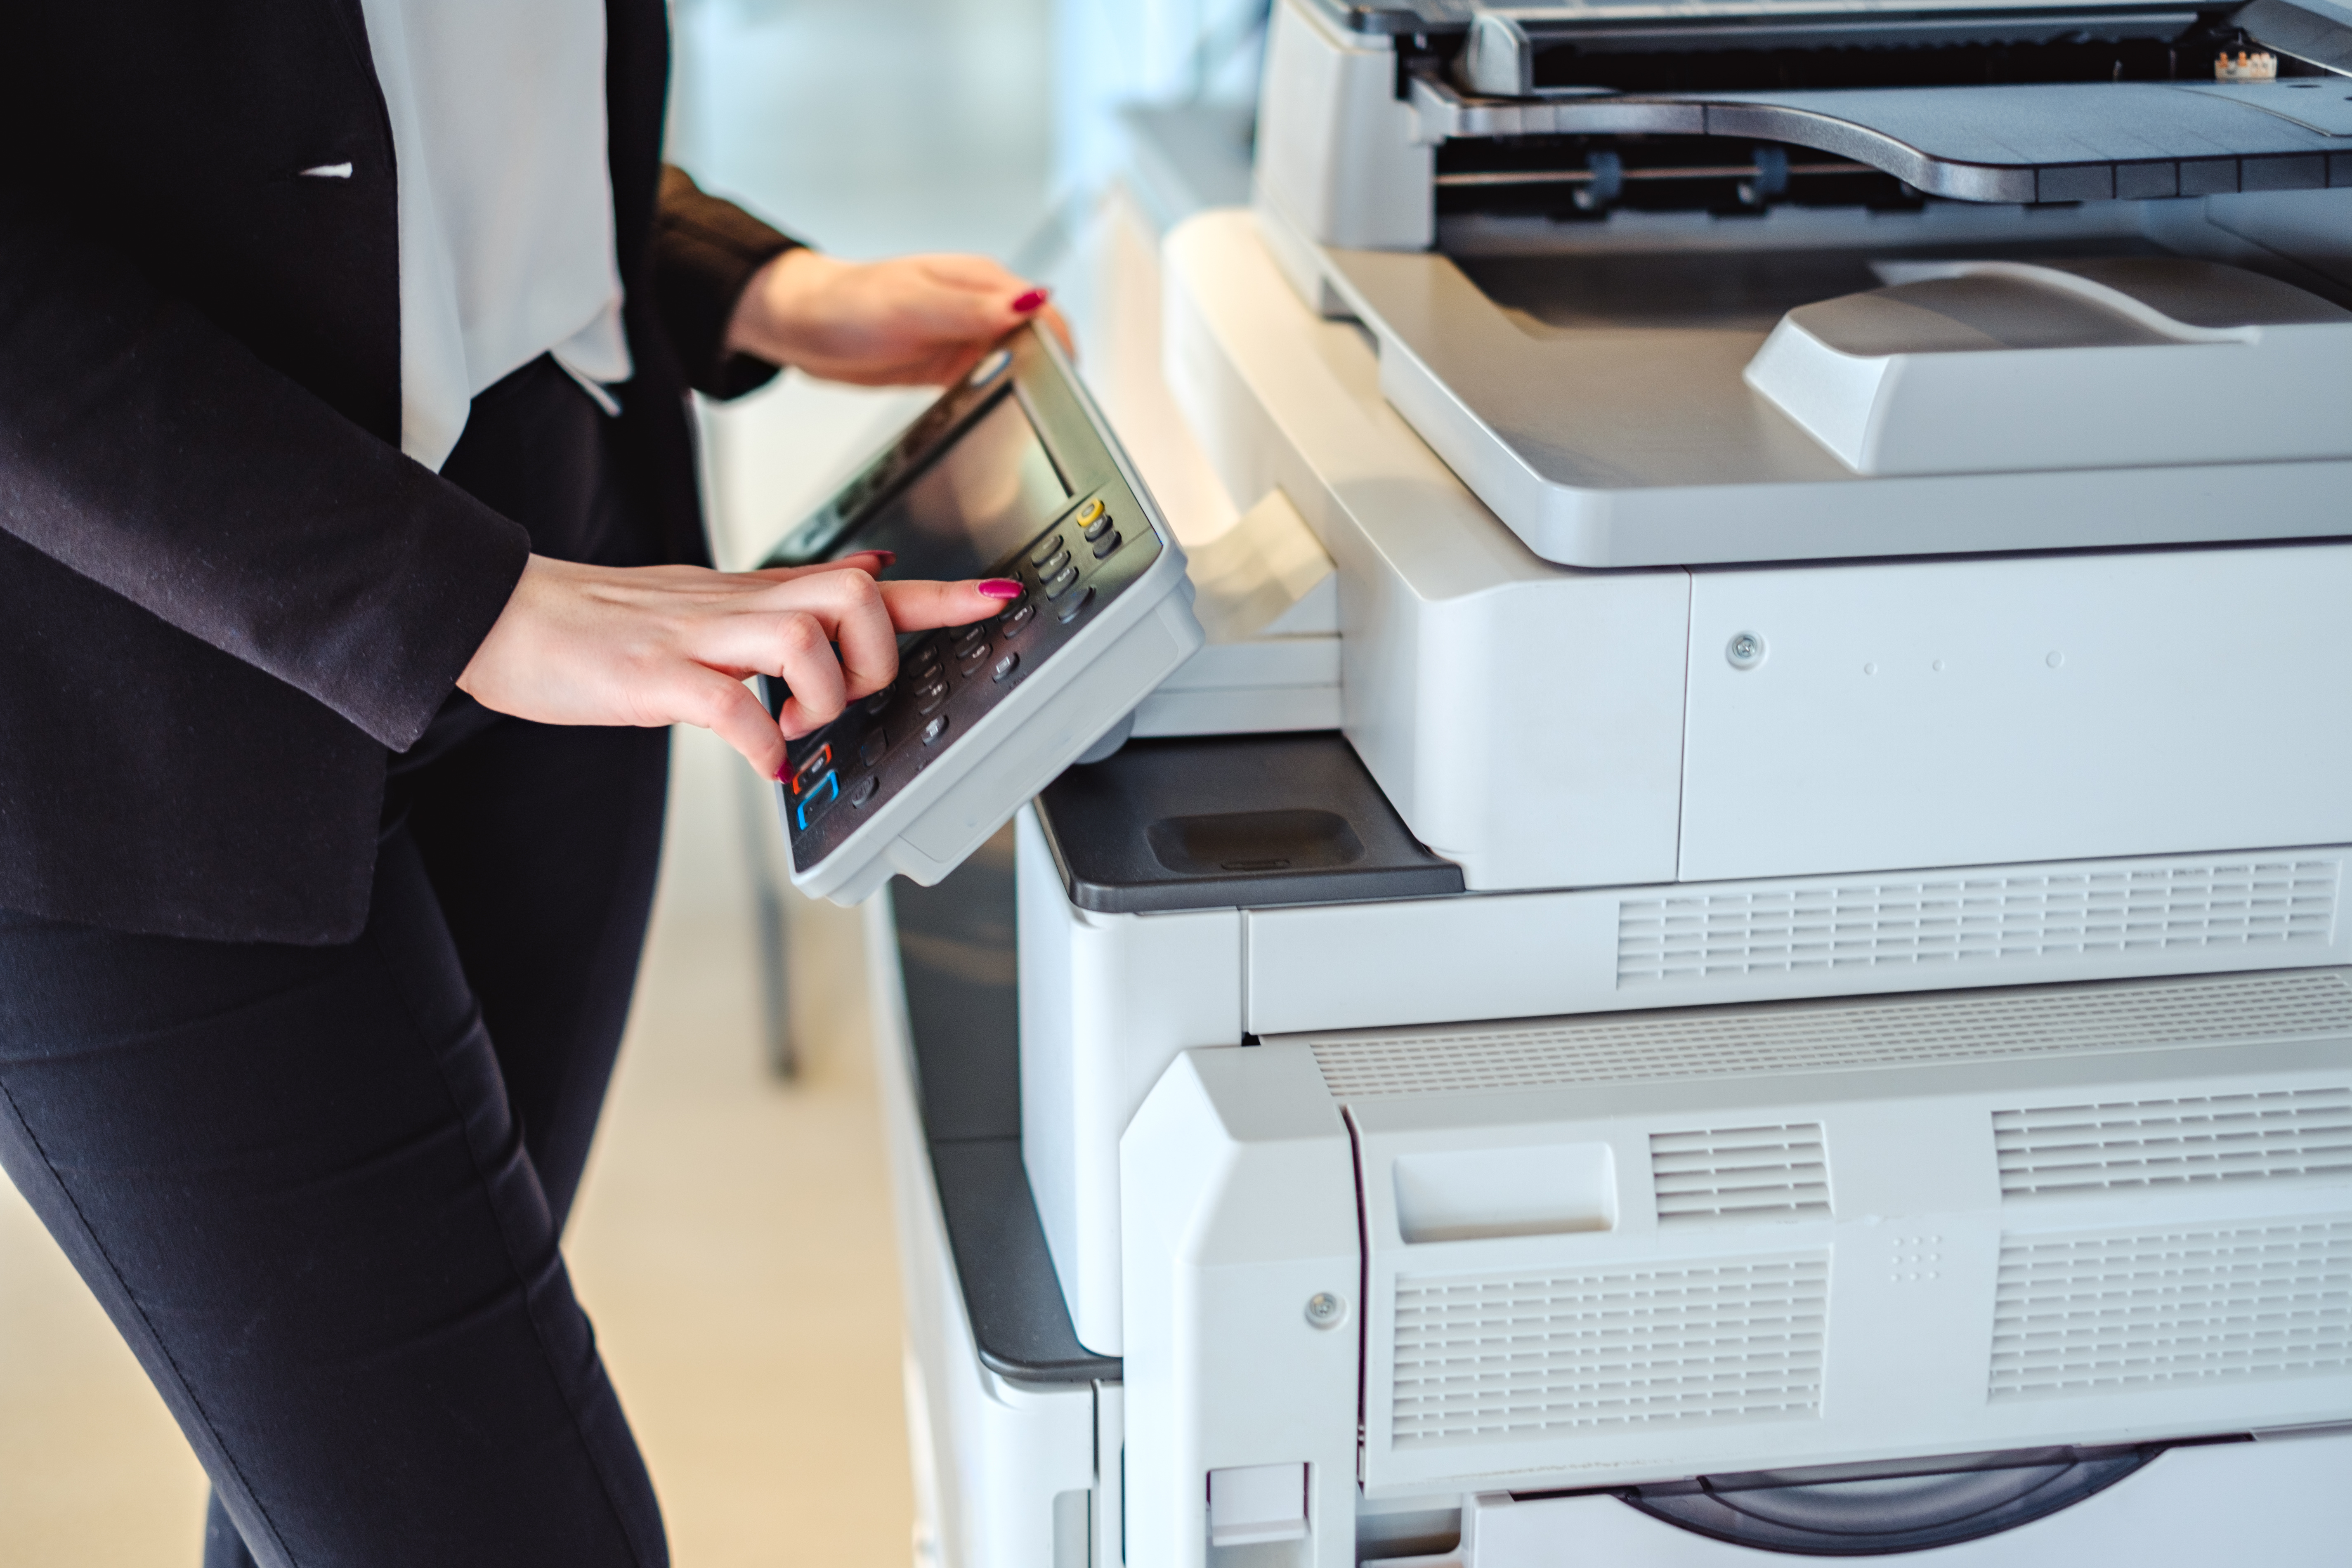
column 1000, row 588
column 1033, row 301
column 889, row 558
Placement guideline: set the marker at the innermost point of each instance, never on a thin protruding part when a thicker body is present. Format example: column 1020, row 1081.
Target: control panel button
column 863, row 790
column 989, row 369
column 1097, row 527
column 1061, row 583
column 1061, row 558
column 1045, row 551
column 1010, row 623
column 1106, row 544
column 931, row 697
column 1005, row 666
column 972, row 660
column 881, row 699
column 870, row 751
column 1087, row 513
column 815, row 798
column 1076, row 605
column 937, row 729
column 817, row 762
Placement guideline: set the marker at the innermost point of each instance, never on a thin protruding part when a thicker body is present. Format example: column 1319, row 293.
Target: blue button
column 815, row 798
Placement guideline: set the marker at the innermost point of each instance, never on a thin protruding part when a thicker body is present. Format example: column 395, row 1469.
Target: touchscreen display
column 985, row 496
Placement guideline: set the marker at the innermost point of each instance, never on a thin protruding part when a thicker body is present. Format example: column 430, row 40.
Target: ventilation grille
column 1741, row 1174
column 1807, row 1036
column 1519, row 1356
column 2068, row 1151
column 2254, row 905
column 2101, row 1314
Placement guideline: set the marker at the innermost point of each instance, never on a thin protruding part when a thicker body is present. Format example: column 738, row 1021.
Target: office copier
column 1737, row 942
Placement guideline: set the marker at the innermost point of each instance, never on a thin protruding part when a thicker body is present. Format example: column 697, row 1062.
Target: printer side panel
column 1544, row 740
column 1338, row 152
column 1107, row 1003
column 1525, row 720
column 2038, row 708
column 1243, row 1273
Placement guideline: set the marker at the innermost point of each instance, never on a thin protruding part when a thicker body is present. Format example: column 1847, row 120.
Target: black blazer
column 223, row 592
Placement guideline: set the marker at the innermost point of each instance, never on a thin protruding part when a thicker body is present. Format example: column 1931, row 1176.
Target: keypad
column 954, row 671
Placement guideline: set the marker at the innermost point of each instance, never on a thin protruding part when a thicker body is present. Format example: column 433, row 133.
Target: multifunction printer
column 1735, row 943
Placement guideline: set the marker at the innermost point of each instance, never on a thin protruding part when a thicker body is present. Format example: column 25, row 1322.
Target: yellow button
column 1088, row 512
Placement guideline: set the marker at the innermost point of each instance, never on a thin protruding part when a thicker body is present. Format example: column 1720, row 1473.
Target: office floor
column 732, row 1241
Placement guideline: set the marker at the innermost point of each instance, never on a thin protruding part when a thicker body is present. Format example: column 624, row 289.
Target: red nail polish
column 1033, row 301
column 887, row 558
column 1000, row 588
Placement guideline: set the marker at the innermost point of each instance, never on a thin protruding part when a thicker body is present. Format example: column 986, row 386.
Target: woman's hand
column 673, row 645
column 919, row 321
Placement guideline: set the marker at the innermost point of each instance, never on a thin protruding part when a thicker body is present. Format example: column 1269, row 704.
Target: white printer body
column 1851, row 581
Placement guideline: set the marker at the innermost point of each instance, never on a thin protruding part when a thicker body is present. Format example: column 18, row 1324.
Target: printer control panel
column 1013, row 474
column 949, row 680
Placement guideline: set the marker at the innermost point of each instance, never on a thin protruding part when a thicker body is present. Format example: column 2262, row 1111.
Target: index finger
column 872, row 563
column 919, row 606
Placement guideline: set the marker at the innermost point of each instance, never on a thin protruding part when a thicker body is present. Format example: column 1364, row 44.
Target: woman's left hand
column 917, row 320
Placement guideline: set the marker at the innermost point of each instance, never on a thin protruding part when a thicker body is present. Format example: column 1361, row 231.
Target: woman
column 350, row 574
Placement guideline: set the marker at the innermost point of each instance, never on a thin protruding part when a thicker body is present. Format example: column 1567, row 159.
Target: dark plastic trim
column 956, row 955
column 1233, row 821
column 1969, row 1499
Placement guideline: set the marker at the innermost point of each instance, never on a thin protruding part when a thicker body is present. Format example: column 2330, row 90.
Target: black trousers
column 320, row 1189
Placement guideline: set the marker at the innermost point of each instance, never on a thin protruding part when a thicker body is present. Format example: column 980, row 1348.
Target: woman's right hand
column 652, row 646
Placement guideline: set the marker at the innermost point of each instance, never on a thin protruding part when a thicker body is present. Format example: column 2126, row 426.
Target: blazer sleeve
column 705, row 251
column 146, row 449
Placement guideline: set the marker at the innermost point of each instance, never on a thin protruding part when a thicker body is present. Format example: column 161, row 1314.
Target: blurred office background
column 733, row 1240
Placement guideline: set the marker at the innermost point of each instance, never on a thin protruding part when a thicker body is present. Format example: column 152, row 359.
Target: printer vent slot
column 1527, row 1356
column 1799, row 1036
column 2260, row 906
column 2102, row 1313
column 1741, row 1174
column 2074, row 1151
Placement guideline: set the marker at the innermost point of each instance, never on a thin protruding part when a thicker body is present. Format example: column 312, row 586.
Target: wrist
column 771, row 315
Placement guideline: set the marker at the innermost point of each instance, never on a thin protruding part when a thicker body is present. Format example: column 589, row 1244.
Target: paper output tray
column 2069, row 141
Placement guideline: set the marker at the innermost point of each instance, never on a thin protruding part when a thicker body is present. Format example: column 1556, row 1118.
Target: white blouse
column 506, row 200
